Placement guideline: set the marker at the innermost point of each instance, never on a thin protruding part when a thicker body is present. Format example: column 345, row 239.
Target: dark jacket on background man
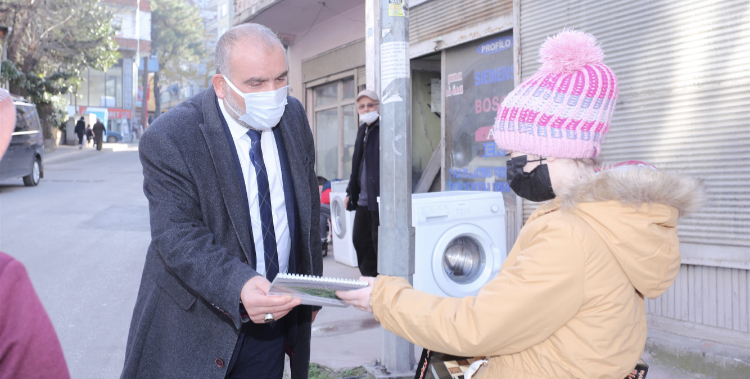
column 372, row 162
column 187, row 316
column 80, row 128
column 98, row 130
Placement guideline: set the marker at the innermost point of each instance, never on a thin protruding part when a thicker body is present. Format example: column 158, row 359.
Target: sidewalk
column 344, row 337
column 69, row 153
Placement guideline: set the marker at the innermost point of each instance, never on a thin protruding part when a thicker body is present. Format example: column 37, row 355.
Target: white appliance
column 459, row 241
column 342, row 222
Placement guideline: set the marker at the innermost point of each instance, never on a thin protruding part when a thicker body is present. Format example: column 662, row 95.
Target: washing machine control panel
column 453, row 211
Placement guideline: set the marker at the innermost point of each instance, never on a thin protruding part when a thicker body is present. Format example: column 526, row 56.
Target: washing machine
column 342, row 222
column 459, row 241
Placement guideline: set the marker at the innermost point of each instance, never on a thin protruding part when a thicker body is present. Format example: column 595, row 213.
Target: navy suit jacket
column 187, row 318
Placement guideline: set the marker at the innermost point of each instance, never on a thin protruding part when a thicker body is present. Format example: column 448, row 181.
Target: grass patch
column 322, row 372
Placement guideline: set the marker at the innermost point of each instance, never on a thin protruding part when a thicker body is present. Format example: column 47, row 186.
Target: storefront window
column 97, row 91
column 327, row 132
column 478, row 76
column 348, row 85
column 425, row 120
column 335, row 125
column 327, row 95
column 350, row 132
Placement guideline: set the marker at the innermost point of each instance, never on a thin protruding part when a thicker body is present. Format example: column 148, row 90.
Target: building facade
column 115, row 96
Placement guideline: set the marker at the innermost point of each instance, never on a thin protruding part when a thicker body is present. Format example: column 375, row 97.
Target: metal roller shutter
column 435, row 18
column 684, row 101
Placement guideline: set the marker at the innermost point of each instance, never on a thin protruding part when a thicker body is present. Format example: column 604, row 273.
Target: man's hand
column 346, row 201
column 314, row 315
column 257, row 304
column 360, row 298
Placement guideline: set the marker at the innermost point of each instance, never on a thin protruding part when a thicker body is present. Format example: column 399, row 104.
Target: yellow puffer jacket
column 568, row 301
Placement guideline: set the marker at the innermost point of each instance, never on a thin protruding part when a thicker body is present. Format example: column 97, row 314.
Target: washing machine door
column 464, row 259
column 338, row 216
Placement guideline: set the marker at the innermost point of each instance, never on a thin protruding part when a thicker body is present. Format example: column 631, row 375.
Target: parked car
column 25, row 154
column 113, row 137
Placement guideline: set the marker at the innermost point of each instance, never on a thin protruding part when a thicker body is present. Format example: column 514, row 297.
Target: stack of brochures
column 313, row 290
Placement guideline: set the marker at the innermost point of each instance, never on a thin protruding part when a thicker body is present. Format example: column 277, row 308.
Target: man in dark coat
column 216, row 169
column 98, row 134
column 80, row 130
column 364, row 184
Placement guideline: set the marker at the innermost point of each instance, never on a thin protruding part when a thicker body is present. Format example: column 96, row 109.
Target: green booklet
column 313, row 290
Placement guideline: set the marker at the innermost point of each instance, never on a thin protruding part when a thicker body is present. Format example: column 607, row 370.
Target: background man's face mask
column 535, row 185
column 369, row 118
column 263, row 110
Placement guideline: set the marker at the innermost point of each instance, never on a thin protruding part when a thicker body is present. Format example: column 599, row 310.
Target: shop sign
column 112, row 113
column 478, row 75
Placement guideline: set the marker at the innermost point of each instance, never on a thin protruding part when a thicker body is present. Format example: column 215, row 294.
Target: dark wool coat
column 371, row 153
column 29, row 347
column 187, row 317
column 80, row 128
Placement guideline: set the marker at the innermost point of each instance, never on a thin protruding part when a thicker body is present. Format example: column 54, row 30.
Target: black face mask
column 535, row 185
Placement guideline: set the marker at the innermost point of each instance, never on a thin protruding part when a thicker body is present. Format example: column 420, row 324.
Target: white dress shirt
column 242, row 143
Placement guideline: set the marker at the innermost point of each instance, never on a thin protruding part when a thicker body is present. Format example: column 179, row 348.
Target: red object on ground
column 29, row 347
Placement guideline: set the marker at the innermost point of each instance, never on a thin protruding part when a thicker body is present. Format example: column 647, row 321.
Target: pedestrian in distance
column 80, row 131
column 229, row 176
column 568, row 301
column 364, row 184
column 29, row 347
column 89, row 135
column 98, row 134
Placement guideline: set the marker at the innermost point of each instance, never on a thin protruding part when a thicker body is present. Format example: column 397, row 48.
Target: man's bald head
column 255, row 34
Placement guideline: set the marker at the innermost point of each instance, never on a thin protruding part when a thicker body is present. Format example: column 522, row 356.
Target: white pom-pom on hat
column 569, row 51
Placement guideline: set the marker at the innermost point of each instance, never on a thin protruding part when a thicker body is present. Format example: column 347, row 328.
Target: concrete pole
column 144, row 94
column 395, row 234
column 372, row 45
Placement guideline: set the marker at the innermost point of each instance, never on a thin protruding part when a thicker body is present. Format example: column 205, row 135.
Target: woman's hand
column 360, row 298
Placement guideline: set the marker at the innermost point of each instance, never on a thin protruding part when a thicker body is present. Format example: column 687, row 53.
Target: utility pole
column 137, row 60
column 396, row 234
column 144, row 94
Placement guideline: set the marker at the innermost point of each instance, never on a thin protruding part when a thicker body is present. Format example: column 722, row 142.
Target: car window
column 21, row 117
column 33, row 119
column 26, row 119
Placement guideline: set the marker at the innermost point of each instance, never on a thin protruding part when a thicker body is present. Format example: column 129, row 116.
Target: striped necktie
column 264, row 203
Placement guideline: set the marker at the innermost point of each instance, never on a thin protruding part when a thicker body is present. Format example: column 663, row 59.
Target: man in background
column 364, row 184
column 98, row 134
column 80, row 131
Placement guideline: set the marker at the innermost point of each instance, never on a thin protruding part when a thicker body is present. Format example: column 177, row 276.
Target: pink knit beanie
column 565, row 109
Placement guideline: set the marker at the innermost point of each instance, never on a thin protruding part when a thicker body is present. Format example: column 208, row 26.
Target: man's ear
column 219, row 85
column 550, row 159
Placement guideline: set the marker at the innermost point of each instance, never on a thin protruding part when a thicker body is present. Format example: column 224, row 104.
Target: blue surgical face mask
column 263, row 110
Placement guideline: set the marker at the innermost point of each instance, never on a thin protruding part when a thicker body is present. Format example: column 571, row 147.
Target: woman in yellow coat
column 568, row 301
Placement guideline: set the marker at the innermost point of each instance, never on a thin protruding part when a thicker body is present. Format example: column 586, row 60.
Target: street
column 82, row 235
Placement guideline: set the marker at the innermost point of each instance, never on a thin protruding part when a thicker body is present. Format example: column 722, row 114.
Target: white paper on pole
column 394, row 64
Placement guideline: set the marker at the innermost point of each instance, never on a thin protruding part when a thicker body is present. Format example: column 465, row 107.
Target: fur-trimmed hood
column 634, row 209
column 636, row 185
